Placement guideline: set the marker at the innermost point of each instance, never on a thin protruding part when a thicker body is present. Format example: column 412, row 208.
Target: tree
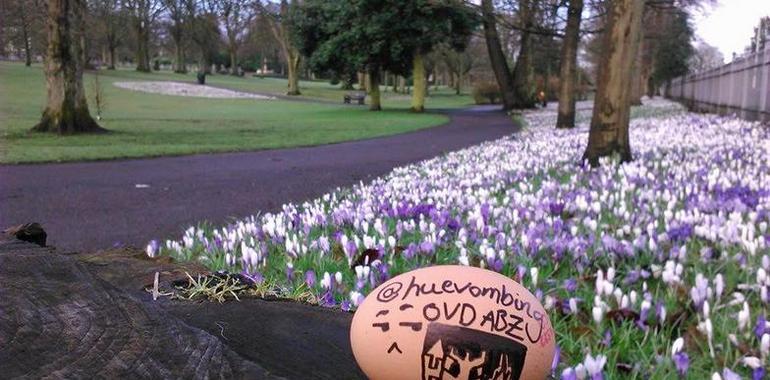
column 608, row 134
column 280, row 26
column 111, row 22
column 705, row 57
column 435, row 22
column 203, row 31
column 24, row 26
column 674, row 53
column 66, row 109
column 23, row 18
column 496, row 55
column 143, row 15
column 359, row 35
column 523, row 78
column 177, row 13
column 459, row 63
column 568, row 70
column 235, row 16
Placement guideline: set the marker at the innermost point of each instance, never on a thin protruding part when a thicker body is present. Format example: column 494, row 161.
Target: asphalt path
column 85, row 206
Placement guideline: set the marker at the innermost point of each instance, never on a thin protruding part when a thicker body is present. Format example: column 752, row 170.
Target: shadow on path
column 93, row 205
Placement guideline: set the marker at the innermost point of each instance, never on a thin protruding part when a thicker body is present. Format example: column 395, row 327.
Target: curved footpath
column 86, row 206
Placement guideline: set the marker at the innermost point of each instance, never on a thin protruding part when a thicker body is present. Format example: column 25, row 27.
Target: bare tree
column 235, row 16
column 143, row 14
column 609, row 124
column 66, row 110
column 280, row 27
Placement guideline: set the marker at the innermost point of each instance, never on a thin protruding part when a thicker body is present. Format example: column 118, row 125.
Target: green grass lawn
column 145, row 125
column 442, row 97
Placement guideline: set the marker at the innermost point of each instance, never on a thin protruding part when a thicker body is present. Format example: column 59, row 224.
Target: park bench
column 358, row 96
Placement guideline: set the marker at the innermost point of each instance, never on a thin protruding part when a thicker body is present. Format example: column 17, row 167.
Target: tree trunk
column 458, row 82
column 418, row 73
column 66, row 109
column 523, row 74
column 636, row 78
column 27, row 48
column 362, row 81
column 112, row 58
column 609, row 124
column 233, row 61
column 496, row 55
column 142, row 47
column 568, row 70
column 180, row 66
column 293, row 73
column 373, row 83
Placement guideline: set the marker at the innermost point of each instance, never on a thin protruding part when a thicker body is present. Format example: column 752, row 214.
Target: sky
column 729, row 25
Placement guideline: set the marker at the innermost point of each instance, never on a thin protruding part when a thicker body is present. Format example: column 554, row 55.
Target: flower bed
column 647, row 268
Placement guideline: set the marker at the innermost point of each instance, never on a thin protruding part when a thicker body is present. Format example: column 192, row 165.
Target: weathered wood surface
column 77, row 316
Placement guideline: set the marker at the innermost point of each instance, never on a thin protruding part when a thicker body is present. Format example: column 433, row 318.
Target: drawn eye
column 416, row 326
column 382, row 312
column 385, row 326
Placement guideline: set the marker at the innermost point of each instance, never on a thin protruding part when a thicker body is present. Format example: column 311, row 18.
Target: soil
column 87, row 316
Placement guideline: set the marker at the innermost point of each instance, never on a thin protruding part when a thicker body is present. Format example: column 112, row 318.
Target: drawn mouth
column 394, row 346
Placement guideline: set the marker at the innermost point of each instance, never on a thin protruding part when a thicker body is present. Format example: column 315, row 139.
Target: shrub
column 486, row 93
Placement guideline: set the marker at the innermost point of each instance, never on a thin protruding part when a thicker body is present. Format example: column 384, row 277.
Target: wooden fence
column 741, row 87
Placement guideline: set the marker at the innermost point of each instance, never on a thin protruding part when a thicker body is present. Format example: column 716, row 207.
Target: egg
column 452, row 322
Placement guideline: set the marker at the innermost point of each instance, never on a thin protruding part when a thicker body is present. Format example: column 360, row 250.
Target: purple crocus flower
column 310, row 278
column 521, row 270
column 570, row 285
column 607, row 340
column 327, row 300
column 761, row 326
column 728, row 374
column 758, row 374
column 556, row 359
column 682, row 362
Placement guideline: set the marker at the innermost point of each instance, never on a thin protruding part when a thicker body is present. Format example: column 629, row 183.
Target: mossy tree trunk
column 608, row 135
column 496, row 55
column 420, row 85
column 66, row 109
column 373, row 85
column 568, row 69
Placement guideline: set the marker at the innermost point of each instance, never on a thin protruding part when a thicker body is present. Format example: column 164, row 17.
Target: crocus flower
column 595, row 366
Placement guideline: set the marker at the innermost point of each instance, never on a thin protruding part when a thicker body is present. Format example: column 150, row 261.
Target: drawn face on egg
column 387, row 323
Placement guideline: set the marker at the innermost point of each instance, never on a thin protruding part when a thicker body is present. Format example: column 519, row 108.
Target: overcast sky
column 729, row 25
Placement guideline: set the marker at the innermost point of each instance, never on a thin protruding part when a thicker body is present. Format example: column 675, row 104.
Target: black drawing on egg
column 455, row 352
